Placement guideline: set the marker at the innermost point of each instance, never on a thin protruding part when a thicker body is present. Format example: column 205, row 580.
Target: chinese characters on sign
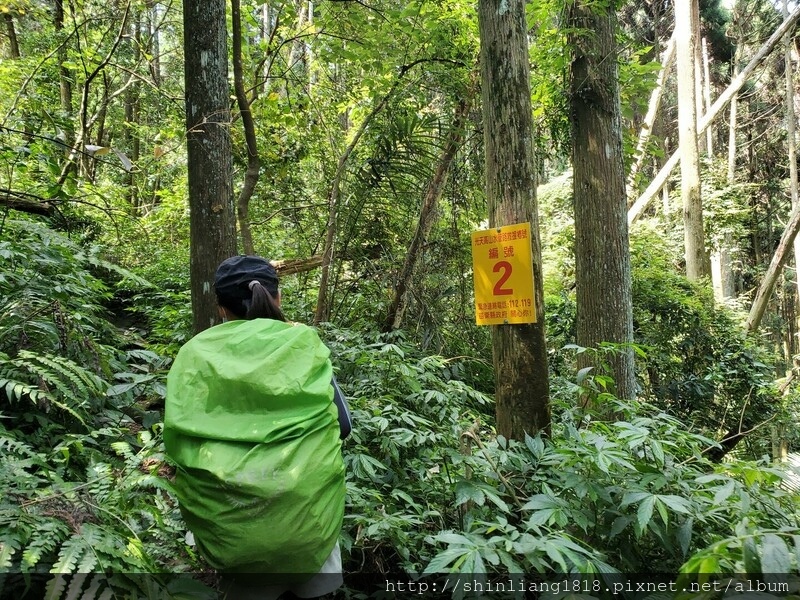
column 503, row 271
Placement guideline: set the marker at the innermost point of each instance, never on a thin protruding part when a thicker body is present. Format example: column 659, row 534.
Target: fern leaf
column 9, row 545
column 46, row 538
column 90, row 593
column 55, row 587
column 88, row 562
column 107, row 594
column 71, row 553
column 122, row 449
column 76, row 585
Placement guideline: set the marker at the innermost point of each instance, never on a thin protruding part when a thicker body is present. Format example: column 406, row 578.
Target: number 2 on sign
column 499, row 290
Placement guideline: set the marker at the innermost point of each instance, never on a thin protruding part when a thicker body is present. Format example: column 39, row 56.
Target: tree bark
column 519, row 351
column 212, row 218
column 602, row 255
column 64, row 77
column 132, row 118
column 433, row 192
column 773, row 271
column 660, row 179
column 791, row 133
column 11, row 32
column 697, row 260
column 253, row 160
column 707, row 98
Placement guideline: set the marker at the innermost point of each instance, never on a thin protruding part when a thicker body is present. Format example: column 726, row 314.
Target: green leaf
column 466, row 491
column 493, row 496
column 724, row 492
column 752, row 562
column 676, row 503
column 442, row 561
column 535, row 445
column 775, row 557
column 633, row 497
column 685, row 535
column 449, row 537
column 645, row 512
column 9, row 544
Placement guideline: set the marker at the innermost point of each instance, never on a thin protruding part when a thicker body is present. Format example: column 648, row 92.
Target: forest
column 643, row 427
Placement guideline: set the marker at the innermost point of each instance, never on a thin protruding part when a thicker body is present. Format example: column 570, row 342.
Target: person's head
column 247, row 288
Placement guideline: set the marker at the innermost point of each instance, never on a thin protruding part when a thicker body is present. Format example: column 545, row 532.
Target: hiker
column 254, row 421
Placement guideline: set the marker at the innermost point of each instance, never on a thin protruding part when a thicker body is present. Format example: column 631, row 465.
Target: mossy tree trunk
column 519, row 351
column 212, row 218
column 602, row 253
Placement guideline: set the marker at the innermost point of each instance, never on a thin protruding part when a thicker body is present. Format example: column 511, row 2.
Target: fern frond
column 44, row 539
column 58, row 373
column 71, row 552
column 90, row 593
column 55, row 587
column 76, row 584
column 123, row 449
column 10, row 543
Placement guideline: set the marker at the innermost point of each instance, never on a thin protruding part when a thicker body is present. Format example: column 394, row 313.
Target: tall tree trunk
column 132, row 113
column 707, row 99
column 697, row 261
column 767, row 285
column 519, row 351
column 253, row 161
column 433, row 192
column 721, row 270
column 64, row 77
column 11, row 32
column 650, row 118
column 212, row 218
column 155, row 44
column 602, row 254
column 719, row 104
column 791, row 132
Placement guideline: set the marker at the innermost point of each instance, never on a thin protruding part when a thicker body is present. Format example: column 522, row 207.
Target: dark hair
column 261, row 305
column 247, row 286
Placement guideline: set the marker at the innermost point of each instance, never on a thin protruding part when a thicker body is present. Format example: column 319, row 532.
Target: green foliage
column 633, row 495
column 408, row 412
column 700, row 364
column 96, row 503
column 86, row 487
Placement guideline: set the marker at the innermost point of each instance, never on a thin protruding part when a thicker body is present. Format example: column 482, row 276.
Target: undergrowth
column 87, row 508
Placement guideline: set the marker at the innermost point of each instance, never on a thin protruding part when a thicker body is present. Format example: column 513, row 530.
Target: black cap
column 234, row 275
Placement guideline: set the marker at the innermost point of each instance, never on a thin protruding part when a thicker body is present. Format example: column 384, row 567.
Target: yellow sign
column 503, row 271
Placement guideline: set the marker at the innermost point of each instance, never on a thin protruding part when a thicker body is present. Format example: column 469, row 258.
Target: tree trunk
column 11, row 32
column 253, row 161
column 721, row 270
column 64, row 77
column 602, row 254
column 697, row 261
column 155, row 44
column 650, row 118
column 519, row 351
column 771, row 276
column 394, row 315
column 660, row 179
column 132, row 114
column 707, row 99
column 791, row 129
column 212, row 217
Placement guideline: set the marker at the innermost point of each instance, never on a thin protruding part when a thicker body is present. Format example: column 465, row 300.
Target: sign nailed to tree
column 503, row 272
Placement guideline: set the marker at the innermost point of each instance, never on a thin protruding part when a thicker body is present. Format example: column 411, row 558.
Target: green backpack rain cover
column 251, row 425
